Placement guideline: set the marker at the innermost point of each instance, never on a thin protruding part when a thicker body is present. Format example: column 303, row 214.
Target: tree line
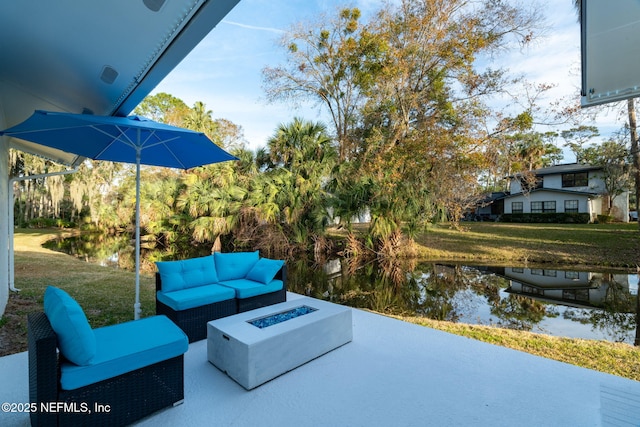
column 417, row 132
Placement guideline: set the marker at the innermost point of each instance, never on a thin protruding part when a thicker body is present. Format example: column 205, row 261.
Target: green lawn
column 604, row 245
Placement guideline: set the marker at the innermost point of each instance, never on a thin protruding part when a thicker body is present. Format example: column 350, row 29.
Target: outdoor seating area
column 109, row 376
column 392, row 373
column 195, row 291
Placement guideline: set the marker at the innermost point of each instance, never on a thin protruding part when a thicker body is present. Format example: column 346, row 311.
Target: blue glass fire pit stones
column 273, row 319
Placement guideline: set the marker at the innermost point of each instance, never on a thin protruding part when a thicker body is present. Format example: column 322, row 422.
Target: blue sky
column 224, row 70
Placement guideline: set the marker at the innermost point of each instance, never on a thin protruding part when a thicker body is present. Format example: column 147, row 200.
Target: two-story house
column 570, row 188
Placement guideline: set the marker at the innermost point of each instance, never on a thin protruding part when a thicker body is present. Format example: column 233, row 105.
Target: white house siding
column 548, row 196
column 596, row 184
column 514, row 186
column 620, row 209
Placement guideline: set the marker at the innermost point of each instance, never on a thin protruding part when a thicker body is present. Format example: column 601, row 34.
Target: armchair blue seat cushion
column 126, row 347
column 264, row 270
column 234, row 265
column 195, row 297
column 248, row 288
column 187, row 273
column 76, row 339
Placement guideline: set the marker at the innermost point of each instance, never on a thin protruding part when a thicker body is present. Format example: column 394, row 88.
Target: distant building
column 569, row 188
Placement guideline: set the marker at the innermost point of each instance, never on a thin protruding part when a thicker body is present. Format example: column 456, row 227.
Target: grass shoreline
column 107, row 294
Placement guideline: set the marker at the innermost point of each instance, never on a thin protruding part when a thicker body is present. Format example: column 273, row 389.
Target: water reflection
column 97, row 248
column 591, row 305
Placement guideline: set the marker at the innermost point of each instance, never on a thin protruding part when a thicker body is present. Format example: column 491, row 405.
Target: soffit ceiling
column 99, row 57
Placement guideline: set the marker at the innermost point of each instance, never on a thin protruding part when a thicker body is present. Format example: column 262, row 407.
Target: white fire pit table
column 256, row 346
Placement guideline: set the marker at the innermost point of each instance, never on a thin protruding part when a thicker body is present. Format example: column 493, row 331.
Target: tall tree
column 163, row 108
column 329, row 62
column 576, row 138
column 301, row 159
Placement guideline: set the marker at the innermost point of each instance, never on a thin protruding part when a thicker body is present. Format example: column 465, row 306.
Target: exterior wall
column 620, row 209
column 514, row 186
column 4, row 217
column 557, row 278
column 544, row 196
column 596, row 184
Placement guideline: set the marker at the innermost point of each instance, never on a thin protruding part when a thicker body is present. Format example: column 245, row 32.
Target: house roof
column 565, row 168
column 551, row 190
column 93, row 57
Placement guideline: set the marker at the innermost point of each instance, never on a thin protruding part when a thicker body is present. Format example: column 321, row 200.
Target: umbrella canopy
column 132, row 139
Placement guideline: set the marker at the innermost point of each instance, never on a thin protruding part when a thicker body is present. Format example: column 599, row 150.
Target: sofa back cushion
column 234, row 265
column 76, row 339
column 178, row 275
column 265, row 270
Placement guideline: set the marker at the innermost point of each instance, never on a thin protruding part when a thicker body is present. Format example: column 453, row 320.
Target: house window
column 575, row 179
column 531, row 290
column 571, row 206
column 576, row 294
column 517, row 207
column 573, row 275
column 543, row 207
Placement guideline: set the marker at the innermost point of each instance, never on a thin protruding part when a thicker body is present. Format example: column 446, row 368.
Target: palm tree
column 301, row 156
column 212, row 198
column 200, row 119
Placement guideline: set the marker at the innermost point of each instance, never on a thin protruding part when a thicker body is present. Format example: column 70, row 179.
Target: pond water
column 559, row 302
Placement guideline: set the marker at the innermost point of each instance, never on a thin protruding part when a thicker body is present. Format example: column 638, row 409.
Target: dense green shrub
column 554, row 217
column 50, row 223
column 604, row 219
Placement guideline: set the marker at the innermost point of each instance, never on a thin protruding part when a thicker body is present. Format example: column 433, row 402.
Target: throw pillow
column 265, row 270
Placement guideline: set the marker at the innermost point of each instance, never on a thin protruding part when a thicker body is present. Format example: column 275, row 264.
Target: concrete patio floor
column 391, row 374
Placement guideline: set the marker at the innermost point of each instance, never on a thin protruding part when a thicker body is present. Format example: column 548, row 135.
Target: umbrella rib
column 142, row 145
column 126, row 140
column 164, row 142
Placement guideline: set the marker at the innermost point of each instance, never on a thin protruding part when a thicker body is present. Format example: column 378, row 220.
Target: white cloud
column 253, row 27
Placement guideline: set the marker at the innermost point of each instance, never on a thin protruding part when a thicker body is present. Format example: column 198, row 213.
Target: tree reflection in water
column 563, row 303
column 581, row 304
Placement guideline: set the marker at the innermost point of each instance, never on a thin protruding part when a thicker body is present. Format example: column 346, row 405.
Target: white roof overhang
column 100, row 57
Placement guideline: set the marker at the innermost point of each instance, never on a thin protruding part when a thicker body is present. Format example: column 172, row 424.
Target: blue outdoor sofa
column 195, row 291
column 107, row 376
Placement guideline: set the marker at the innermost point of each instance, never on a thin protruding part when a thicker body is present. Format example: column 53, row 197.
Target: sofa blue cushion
column 126, row 347
column 76, row 339
column 177, row 275
column 264, row 270
column 195, row 297
column 248, row 288
column 234, row 265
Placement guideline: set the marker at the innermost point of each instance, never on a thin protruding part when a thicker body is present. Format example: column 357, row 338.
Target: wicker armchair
column 116, row 401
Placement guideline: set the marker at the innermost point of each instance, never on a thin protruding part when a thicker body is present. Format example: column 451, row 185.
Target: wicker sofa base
column 117, row 401
column 246, row 304
column 194, row 320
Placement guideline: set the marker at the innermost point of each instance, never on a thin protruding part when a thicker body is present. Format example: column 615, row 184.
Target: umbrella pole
column 136, row 306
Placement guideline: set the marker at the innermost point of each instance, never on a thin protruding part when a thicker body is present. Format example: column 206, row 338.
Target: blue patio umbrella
column 131, row 139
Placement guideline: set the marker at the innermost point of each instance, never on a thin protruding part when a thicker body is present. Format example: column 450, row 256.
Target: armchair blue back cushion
column 234, row 265
column 76, row 339
column 178, row 275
